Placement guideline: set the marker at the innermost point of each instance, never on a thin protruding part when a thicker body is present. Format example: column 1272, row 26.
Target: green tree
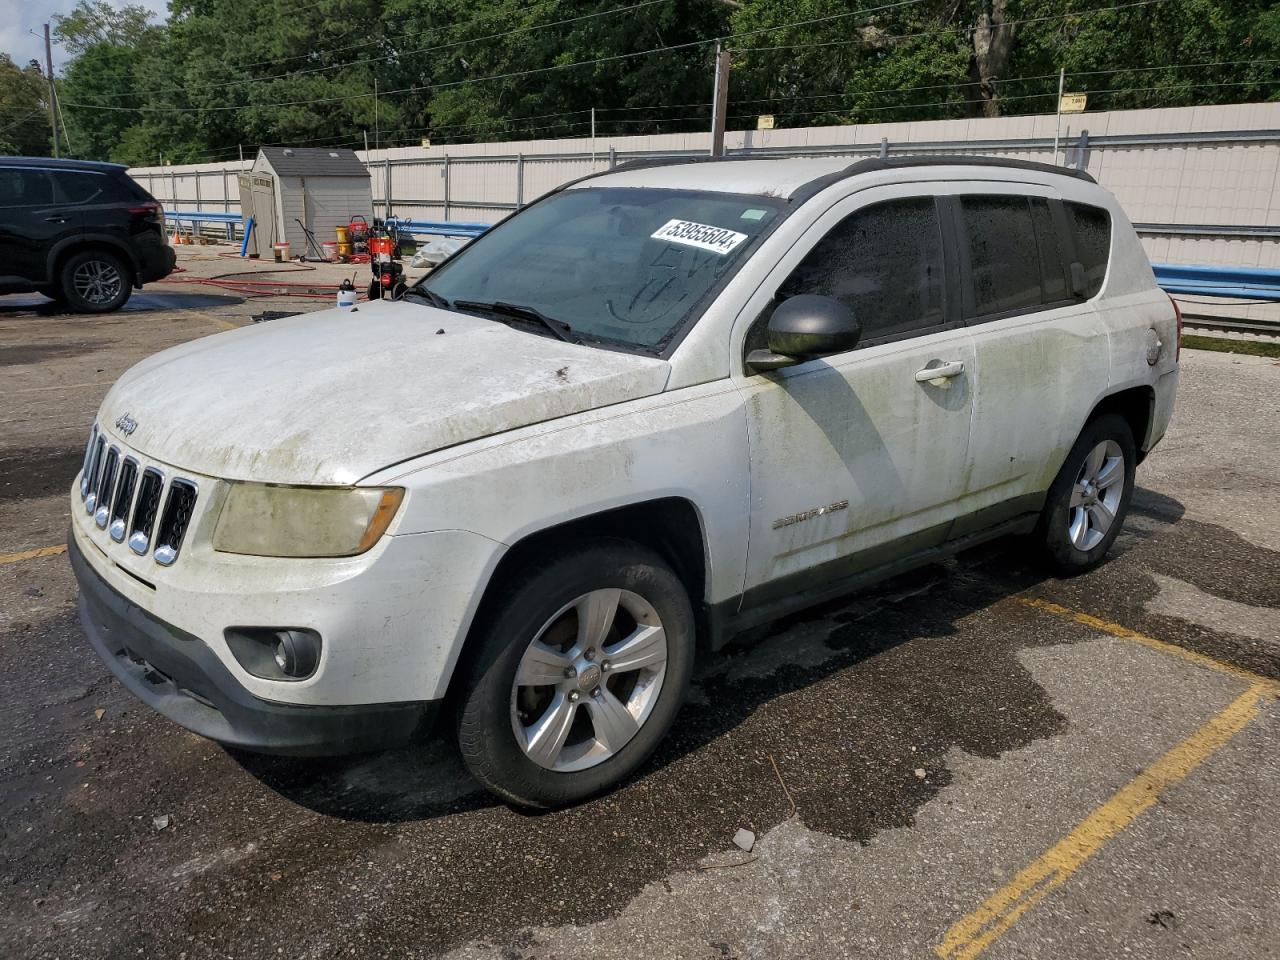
column 24, row 111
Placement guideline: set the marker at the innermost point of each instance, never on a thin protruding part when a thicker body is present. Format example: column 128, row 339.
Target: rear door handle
column 944, row 371
column 55, row 219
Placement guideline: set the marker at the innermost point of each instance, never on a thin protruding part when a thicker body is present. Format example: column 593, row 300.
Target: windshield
column 629, row 265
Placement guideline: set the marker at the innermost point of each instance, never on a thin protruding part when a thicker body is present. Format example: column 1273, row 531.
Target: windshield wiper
column 429, row 295
column 520, row 312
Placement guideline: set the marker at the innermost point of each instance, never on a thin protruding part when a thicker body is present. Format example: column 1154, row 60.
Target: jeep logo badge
column 126, row 424
column 589, row 678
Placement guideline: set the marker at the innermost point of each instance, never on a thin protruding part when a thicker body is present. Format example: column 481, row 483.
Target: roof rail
column 872, row 164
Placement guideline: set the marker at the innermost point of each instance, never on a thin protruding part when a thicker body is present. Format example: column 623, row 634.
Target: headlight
column 265, row 520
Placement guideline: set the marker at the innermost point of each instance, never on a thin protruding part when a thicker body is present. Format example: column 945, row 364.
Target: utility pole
column 593, row 135
column 366, row 145
column 241, row 146
column 719, row 101
column 1057, row 118
column 375, row 116
column 53, row 93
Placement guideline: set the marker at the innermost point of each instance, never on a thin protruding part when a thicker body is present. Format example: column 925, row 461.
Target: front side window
column 885, row 263
column 20, row 187
column 1004, row 265
column 630, row 266
column 1092, row 228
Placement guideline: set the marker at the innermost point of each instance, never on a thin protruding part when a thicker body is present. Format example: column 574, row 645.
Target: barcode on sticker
column 701, row 235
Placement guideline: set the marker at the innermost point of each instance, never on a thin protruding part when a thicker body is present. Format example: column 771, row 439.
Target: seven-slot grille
column 129, row 500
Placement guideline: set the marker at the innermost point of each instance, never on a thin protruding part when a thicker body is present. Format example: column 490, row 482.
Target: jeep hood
column 331, row 397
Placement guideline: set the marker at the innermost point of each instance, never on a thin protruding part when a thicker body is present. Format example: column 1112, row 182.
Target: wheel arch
column 672, row 527
column 79, row 244
column 1137, row 406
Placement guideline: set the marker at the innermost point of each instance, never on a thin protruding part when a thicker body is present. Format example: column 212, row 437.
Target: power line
column 288, row 75
column 514, row 74
column 956, row 29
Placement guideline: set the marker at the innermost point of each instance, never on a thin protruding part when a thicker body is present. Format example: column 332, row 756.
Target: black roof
column 314, row 162
column 65, row 163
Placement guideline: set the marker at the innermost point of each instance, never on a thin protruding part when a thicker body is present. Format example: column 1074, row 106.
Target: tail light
column 151, row 210
column 1177, row 316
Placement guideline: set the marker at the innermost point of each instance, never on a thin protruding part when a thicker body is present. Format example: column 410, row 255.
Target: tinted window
column 629, row 265
column 77, row 187
column 1053, row 259
column 1092, row 228
column 1003, row 262
column 885, row 262
column 21, row 188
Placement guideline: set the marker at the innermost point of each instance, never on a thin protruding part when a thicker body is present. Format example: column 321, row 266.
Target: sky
column 22, row 26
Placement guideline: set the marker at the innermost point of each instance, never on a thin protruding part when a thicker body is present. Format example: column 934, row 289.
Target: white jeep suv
column 656, row 407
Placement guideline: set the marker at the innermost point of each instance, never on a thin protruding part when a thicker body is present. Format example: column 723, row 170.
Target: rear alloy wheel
column 1088, row 501
column 94, row 281
column 578, row 676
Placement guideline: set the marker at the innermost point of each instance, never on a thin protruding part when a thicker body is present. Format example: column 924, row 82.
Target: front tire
column 94, row 281
column 579, row 674
column 1089, row 499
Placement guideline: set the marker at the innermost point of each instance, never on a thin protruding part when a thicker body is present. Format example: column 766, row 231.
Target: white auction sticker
column 701, row 235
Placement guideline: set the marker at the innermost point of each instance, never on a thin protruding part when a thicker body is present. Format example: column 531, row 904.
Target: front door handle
column 944, row 371
column 55, row 219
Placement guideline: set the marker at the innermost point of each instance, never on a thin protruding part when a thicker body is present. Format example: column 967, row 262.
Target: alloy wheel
column 588, row 681
column 1096, row 496
column 97, row 282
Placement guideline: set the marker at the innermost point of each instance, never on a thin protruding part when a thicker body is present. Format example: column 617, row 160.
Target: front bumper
column 179, row 676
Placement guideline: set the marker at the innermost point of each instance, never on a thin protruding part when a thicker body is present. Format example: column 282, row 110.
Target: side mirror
column 805, row 327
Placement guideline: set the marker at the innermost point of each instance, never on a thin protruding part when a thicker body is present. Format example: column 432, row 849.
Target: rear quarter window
column 75, row 186
column 1092, row 229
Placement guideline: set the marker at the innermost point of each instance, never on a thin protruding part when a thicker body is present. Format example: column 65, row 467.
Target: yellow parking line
column 32, row 554
column 971, row 935
column 1116, row 630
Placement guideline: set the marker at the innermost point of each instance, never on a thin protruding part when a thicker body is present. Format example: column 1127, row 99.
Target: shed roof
column 314, row 162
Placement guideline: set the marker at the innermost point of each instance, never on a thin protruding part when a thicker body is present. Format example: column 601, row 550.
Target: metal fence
column 1201, row 184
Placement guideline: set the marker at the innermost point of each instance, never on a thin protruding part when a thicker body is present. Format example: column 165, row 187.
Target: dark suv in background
column 81, row 232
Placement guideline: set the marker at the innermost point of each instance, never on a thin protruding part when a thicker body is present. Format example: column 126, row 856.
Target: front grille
column 95, row 461
column 106, row 487
column 125, row 498
column 145, row 510
column 174, row 521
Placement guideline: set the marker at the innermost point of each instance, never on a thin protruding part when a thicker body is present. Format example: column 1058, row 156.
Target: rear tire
column 94, row 281
column 546, row 717
column 1089, row 498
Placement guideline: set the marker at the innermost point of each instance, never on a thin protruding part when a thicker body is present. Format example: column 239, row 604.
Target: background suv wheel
column 94, row 281
column 579, row 674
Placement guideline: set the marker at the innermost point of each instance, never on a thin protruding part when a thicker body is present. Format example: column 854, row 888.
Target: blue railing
column 1250, row 283
column 439, row 228
column 202, row 216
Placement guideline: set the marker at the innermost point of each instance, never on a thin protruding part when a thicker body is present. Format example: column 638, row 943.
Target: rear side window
column 885, row 262
column 1004, row 263
column 21, row 187
column 1092, row 228
column 75, row 186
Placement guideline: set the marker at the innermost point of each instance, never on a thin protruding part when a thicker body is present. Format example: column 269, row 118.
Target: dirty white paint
column 497, row 433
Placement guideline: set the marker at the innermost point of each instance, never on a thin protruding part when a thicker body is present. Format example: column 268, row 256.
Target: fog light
column 275, row 653
column 296, row 653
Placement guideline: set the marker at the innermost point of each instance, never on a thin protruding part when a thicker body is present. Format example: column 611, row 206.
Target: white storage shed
column 287, row 187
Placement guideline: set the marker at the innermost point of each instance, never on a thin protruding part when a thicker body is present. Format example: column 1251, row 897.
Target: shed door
column 264, row 213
